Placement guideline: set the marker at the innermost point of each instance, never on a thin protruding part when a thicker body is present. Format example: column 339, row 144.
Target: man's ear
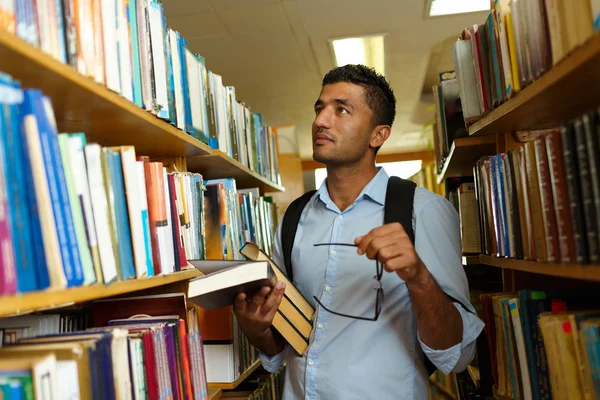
column 379, row 135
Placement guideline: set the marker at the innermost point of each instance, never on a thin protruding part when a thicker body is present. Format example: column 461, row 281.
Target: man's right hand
column 255, row 317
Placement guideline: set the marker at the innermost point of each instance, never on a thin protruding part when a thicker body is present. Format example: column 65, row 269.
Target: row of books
column 519, row 41
column 76, row 213
column 128, row 47
column 426, row 178
column 543, row 343
column 117, row 356
column 542, row 201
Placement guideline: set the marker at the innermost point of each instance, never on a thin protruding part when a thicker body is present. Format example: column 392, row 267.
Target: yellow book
column 512, row 49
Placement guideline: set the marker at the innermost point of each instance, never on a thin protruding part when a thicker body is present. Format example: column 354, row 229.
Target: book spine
column 591, row 125
column 574, row 193
column 547, row 202
column 560, row 195
column 535, row 202
column 587, row 195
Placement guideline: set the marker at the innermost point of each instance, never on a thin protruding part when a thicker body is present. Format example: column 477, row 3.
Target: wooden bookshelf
column 83, row 105
column 240, row 379
column 475, row 375
column 463, row 155
column 564, row 92
column 215, row 393
column 470, row 260
column 218, row 165
column 574, row 271
column 50, row 299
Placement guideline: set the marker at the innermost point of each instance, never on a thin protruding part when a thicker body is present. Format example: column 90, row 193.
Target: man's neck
column 344, row 183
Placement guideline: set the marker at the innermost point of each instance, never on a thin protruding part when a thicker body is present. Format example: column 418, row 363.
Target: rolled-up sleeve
column 272, row 363
column 438, row 244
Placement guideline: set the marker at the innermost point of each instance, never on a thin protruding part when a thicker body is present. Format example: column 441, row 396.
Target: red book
column 177, row 220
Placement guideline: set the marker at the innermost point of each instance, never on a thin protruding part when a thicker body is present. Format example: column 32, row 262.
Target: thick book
column 224, row 279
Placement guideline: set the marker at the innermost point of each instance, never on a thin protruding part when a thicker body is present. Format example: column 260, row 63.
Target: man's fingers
column 393, row 228
column 271, row 314
column 258, row 299
column 379, row 243
column 274, row 298
column 240, row 302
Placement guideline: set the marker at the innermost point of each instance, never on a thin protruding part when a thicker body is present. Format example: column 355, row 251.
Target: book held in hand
column 223, row 280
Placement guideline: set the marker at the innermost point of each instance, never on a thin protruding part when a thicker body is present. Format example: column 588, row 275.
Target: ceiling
column 275, row 53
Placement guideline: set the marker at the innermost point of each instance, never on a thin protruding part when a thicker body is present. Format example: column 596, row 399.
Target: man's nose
column 323, row 119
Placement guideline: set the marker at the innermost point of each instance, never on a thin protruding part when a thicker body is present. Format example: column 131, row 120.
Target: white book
column 68, row 388
column 132, row 193
column 220, row 100
column 519, row 339
column 100, row 209
column 168, row 256
column 224, row 279
column 79, row 169
column 462, row 56
column 141, row 181
column 69, row 166
column 204, row 95
column 124, row 48
column 45, row 379
column 249, row 141
column 43, row 22
column 194, row 89
column 111, row 54
column 145, row 49
column 157, row 35
column 219, row 361
column 176, row 61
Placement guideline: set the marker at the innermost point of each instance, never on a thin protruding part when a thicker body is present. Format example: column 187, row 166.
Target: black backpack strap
column 399, row 199
column 288, row 229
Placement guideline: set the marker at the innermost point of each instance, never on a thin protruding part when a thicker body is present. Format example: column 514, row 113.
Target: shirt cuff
column 272, row 363
column 457, row 357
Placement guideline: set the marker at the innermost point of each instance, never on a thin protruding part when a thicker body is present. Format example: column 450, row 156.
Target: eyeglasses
column 379, row 290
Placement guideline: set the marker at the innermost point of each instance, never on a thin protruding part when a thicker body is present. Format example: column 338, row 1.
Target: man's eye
column 342, row 111
column 317, row 110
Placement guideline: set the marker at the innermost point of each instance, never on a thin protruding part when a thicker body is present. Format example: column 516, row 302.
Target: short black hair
column 378, row 92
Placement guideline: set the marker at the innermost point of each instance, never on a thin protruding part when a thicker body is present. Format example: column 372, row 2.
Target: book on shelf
column 541, row 342
column 549, row 207
column 78, row 213
column 518, row 42
column 129, row 48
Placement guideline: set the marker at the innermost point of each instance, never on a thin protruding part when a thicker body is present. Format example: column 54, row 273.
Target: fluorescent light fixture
column 448, row 7
column 367, row 50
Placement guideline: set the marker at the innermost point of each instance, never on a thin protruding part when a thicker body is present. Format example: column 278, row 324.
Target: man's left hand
column 391, row 245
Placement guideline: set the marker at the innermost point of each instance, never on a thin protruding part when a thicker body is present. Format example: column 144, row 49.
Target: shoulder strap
column 288, row 229
column 399, row 204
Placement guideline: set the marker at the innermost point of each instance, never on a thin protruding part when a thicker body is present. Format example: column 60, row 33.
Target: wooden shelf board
column 442, row 388
column 463, row 155
column 218, row 165
column 234, row 384
column 215, row 393
column 574, row 271
column 83, row 105
column 49, row 299
column 562, row 93
column 470, row 260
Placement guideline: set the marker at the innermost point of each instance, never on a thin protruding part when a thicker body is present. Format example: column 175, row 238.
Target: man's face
column 342, row 127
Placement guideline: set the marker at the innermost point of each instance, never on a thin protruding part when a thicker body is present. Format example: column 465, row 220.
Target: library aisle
column 149, row 151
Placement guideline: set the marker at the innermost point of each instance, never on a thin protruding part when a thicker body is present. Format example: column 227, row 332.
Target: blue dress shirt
column 355, row 359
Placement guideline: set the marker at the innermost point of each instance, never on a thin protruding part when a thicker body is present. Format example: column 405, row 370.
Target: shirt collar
column 375, row 189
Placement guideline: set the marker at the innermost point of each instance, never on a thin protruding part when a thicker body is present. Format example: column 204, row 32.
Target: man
column 350, row 358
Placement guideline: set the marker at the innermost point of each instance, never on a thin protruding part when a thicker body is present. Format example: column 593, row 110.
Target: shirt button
column 320, row 326
column 311, row 362
column 340, row 216
column 332, row 251
column 327, row 288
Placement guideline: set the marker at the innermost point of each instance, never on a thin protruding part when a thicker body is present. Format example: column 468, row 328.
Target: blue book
column 122, row 218
column 39, row 252
column 189, row 127
column 58, row 191
column 502, row 200
column 135, row 53
column 11, row 97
